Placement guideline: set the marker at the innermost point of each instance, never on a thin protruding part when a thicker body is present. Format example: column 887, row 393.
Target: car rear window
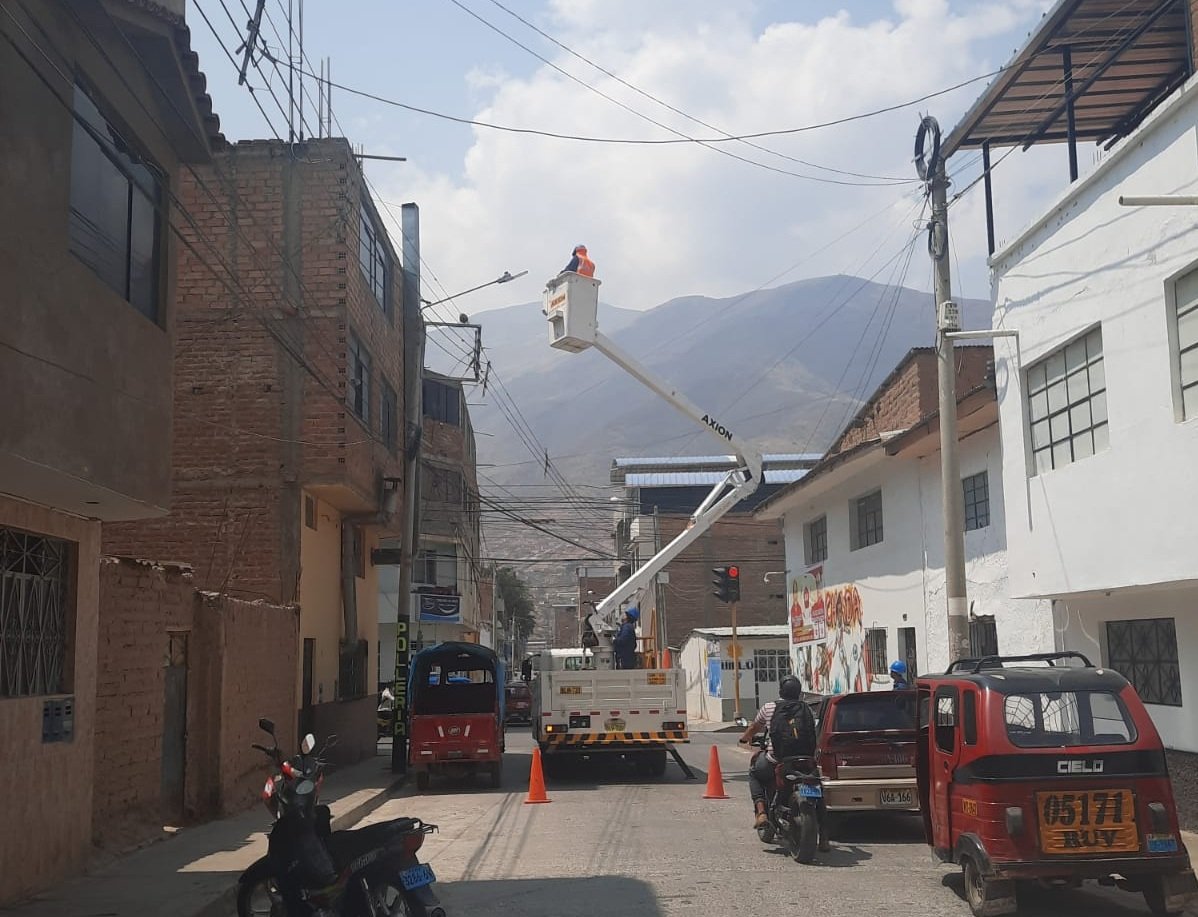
column 518, row 692
column 875, row 712
column 1061, row 719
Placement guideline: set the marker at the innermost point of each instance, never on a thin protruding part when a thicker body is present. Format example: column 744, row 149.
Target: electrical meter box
column 571, row 305
column 950, row 316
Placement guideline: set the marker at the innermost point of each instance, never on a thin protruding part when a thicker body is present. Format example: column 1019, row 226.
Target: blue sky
column 661, row 221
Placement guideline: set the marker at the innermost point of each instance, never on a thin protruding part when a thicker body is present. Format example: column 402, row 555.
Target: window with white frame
column 1185, row 343
column 865, row 520
column 977, row 500
column 815, row 540
column 1067, row 409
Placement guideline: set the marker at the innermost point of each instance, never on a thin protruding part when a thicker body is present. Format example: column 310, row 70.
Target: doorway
column 306, row 714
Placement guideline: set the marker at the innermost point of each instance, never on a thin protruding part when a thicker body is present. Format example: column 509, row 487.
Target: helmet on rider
column 790, row 688
column 898, row 667
column 633, row 613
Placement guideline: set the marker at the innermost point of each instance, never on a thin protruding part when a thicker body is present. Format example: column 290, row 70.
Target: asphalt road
column 612, row 843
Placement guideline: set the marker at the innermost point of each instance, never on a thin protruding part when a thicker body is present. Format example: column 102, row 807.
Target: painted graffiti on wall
column 838, row 663
column 807, row 621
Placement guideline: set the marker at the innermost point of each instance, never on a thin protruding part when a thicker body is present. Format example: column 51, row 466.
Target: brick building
column 91, row 154
column 660, row 496
column 451, row 591
column 287, row 402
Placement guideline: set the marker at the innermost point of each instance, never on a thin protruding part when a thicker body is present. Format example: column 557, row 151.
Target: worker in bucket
column 580, row 263
column 898, row 675
column 623, row 644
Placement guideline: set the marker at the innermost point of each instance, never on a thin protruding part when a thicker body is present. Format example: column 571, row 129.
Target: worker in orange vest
column 580, row 263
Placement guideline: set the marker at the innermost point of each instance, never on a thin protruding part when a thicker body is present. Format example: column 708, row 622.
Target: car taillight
column 674, row 726
column 413, row 842
column 827, row 765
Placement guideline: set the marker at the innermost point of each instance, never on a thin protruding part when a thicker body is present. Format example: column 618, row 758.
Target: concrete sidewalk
column 194, row 874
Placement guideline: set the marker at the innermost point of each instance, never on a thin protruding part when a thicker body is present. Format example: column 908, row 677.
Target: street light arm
column 506, row 277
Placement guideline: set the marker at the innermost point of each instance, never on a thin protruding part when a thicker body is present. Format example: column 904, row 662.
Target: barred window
column 1066, row 394
column 983, row 637
column 1145, row 653
column 34, row 614
column 866, row 520
column 875, row 647
column 771, row 665
column 816, row 540
column 977, row 501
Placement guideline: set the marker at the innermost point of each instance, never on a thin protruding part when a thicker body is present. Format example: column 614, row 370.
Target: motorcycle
column 312, row 871
column 795, row 809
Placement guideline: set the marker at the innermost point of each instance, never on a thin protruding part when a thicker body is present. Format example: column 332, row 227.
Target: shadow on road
column 878, row 828
column 592, row 896
column 1038, row 901
column 839, row 857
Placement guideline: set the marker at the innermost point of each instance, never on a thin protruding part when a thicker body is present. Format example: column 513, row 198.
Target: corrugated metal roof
column 768, row 458
column 705, row 478
column 752, row 630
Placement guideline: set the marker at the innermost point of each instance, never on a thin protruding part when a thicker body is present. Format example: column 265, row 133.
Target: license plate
column 417, row 876
column 1087, row 822
column 898, row 799
column 657, row 678
column 570, row 689
column 1162, row 843
column 811, row 791
column 614, row 726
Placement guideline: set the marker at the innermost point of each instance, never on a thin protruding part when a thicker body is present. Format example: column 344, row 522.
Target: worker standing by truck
column 623, row 644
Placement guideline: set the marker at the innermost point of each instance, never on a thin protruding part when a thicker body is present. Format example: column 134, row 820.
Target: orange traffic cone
column 536, row 781
column 715, row 780
column 666, row 661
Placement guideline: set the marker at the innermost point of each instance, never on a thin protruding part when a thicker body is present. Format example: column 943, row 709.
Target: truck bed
column 609, row 710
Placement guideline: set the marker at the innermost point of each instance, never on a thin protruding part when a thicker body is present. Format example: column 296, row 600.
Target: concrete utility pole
column 948, row 320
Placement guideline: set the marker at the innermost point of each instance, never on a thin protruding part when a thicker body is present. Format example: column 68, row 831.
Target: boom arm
column 571, row 302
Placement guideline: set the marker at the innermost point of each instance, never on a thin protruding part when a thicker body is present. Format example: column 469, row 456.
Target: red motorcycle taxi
column 1045, row 768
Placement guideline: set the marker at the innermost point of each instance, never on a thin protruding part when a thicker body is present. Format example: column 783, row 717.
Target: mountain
column 785, row 368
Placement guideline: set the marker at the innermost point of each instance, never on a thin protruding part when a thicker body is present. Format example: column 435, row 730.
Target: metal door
column 174, row 726
column 946, row 742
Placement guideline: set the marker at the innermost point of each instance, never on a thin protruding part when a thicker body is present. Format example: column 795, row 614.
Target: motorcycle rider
column 761, row 771
column 898, row 675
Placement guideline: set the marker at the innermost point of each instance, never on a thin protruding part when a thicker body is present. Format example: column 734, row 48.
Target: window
column 444, row 485
column 875, row 647
column 1184, row 331
column 977, row 501
column 387, row 416
column 357, row 392
column 874, row 712
column 969, row 717
column 815, row 540
column 372, row 256
column 771, row 665
column 866, row 520
column 34, row 614
column 1066, row 393
column 907, row 650
column 115, row 194
column 442, row 402
column 983, row 637
column 309, row 512
column 946, row 719
column 1061, row 719
column 438, row 565
column 1145, row 653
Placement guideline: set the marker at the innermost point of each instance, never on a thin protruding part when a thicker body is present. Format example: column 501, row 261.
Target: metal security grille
column 1145, row 653
column 983, row 637
column 771, row 665
column 33, row 613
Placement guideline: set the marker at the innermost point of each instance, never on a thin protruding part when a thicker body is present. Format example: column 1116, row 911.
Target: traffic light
column 726, row 581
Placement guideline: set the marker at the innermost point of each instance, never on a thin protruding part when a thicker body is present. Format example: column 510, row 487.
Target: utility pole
column 735, row 664
column 948, row 321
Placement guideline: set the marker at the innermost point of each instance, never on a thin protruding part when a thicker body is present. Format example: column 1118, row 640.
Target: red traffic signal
column 727, row 583
column 734, row 572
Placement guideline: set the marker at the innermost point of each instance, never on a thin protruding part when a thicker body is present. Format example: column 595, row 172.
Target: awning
column 1092, row 70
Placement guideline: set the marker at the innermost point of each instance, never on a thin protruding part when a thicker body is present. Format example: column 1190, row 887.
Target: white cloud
column 665, row 221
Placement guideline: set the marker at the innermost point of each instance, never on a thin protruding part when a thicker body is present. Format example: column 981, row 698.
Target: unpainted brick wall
column 911, row 393
column 140, row 604
column 753, row 545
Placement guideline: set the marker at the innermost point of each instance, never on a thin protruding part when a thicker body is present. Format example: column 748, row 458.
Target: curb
column 226, row 903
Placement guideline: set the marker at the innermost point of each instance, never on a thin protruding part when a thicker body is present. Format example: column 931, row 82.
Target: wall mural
column 839, row 662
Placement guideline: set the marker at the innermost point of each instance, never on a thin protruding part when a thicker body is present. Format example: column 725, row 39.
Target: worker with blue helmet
column 623, row 644
column 898, row 675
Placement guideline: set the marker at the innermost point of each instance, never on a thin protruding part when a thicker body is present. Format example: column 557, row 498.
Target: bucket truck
column 597, row 707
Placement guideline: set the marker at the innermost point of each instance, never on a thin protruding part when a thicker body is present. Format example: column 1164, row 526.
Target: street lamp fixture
column 505, row 277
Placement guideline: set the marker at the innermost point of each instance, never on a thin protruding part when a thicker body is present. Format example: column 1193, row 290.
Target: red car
column 518, row 703
column 866, row 751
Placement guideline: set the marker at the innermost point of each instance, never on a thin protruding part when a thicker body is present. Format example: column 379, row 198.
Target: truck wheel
column 986, row 897
column 422, row 780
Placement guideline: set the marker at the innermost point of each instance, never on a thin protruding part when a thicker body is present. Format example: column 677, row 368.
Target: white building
column 763, row 651
column 1099, row 401
column 864, row 537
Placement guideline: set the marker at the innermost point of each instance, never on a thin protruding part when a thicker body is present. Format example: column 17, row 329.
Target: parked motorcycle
column 795, row 810
column 311, row 871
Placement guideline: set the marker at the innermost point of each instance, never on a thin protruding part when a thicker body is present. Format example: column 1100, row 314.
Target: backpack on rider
column 792, row 725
